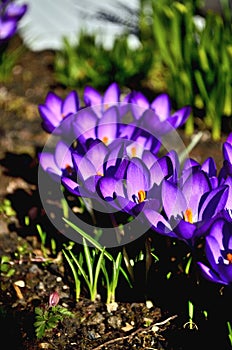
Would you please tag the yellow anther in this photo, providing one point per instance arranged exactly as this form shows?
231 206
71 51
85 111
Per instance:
99 173
141 196
229 257
105 140
133 152
188 215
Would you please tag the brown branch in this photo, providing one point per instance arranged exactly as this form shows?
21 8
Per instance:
141 329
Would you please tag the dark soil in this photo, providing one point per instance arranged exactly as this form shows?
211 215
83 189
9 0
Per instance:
134 324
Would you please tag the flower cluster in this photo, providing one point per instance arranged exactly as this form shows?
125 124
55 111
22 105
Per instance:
10 14
116 158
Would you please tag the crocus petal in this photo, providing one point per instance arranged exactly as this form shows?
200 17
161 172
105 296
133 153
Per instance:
148 158
96 155
185 230
209 274
194 188
70 104
54 103
213 203
110 187
180 117
16 11
209 166
139 103
228 182
49 116
85 124
162 106
83 166
7 29
47 161
227 151
112 94
225 272
161 169
108 125
63 155
138 178
91 96
158 222
71 186
174 202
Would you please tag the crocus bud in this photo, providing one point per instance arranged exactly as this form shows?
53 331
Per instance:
54 299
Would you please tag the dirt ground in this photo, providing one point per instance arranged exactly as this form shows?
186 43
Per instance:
134 324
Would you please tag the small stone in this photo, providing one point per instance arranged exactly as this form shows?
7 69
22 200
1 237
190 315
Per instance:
128 327
112 307
115 321
149 304
20 283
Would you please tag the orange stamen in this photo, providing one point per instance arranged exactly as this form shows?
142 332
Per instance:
133 151
141 196
99 173
229 257
188 215
105 140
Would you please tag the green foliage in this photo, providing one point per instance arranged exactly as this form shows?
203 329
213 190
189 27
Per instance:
6 208
49 318
5 267
198 60
8 59
230 332
90 263
89 63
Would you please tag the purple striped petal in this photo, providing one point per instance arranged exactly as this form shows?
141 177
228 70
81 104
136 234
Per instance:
7 29
209 166
213 203
138 178
54 103
84 167
112 94
209 274
174 202
71 104
91 96
49 116
96 155
194 188
85 124
108 125
185 230
47 161
160 169
63 155
180 117
227 151
162 106
158 222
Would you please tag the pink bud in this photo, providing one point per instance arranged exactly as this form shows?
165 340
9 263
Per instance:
54 299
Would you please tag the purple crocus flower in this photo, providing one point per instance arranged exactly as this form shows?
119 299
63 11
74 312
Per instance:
137 186
88 126
157 116
55 110
111 96
57 164
15 11
218 250
188 210
8 28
